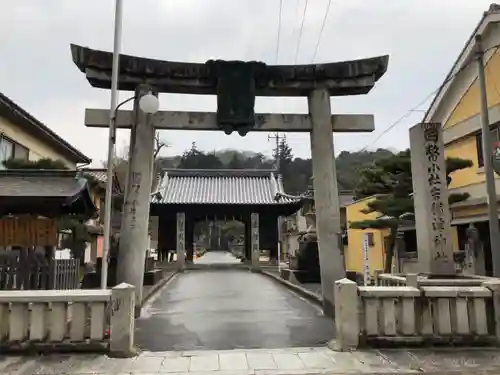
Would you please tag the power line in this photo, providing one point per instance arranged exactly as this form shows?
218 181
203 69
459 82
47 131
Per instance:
415 108
279 32
321 30
301 31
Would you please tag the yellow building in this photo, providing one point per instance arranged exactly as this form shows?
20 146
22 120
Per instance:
405 261
457 107
24 137
354 256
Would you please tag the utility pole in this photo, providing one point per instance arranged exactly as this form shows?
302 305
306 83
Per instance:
277 137
111 143
488 162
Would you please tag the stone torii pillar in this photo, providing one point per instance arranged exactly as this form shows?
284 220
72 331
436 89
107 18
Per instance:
326 196
135 217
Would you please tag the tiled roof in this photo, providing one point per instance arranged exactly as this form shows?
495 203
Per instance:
101 175
42 191
98 174
39 183
345 198
244 187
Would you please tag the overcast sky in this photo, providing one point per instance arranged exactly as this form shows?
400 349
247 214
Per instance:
422 37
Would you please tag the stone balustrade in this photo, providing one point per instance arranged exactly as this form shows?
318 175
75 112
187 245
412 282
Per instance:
418 280
74 319
383 315
388 279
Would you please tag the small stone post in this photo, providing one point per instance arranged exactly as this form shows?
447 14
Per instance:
326 196
255 242
181 240
135 218
474 252
346 315
432 211
122 327
412 280
494 286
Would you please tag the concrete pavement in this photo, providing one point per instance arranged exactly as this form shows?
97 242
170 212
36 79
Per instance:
291 361
217 257
229 309
236 309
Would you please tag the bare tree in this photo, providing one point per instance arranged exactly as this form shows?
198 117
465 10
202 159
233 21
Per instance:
120 162
159 144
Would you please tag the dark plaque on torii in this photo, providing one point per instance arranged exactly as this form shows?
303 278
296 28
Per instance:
235 89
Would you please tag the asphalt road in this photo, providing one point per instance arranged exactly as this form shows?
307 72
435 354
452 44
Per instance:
229 309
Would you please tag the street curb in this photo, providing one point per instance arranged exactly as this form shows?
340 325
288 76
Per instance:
155 288
310 296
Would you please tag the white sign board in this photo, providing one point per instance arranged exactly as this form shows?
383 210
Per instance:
366 265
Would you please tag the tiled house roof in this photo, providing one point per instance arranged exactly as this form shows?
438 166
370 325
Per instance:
243 187
39 183
44 191
100 174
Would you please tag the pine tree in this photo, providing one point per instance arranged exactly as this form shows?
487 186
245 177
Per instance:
390 178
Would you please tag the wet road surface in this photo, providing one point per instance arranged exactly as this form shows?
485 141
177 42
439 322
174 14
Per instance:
229 309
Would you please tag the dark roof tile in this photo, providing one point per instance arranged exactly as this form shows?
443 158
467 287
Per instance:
245 187
39 183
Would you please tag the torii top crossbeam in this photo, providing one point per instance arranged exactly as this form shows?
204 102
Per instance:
355 77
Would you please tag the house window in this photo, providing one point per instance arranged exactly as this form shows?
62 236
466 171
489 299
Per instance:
495 137
371 240
10 149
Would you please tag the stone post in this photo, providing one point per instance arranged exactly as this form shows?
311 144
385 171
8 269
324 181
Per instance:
135 218
346 315
494 286
326 196
255 241
432 211
122 322
412 280
474 252
181 240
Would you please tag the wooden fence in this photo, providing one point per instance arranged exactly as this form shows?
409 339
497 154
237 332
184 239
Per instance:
35 272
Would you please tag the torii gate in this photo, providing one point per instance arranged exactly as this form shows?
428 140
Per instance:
235 112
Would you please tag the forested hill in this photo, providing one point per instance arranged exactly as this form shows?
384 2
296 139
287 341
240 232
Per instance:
296 171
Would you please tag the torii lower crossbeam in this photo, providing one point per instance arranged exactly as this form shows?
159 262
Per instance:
176 120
